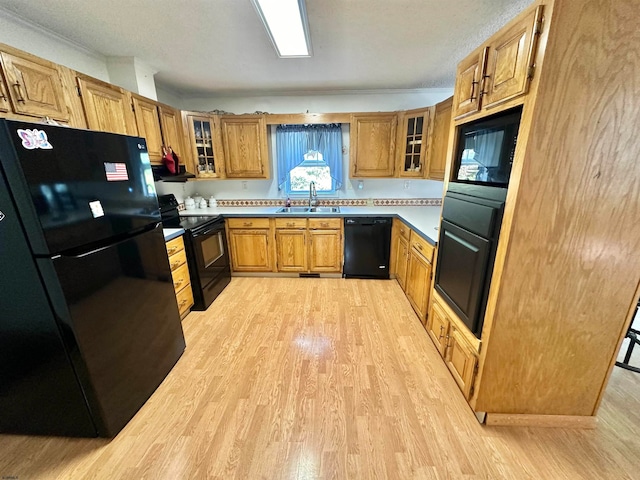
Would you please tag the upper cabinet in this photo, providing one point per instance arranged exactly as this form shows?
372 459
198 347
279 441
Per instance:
33 86
4 97
148 122
205 141
173 133
373 138
245 146
439 139
107 107
413 135
499 70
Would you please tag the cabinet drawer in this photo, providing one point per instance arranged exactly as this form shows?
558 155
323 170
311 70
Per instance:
291 223
248 222
325 223
177 259
403 230
175 245
185 299
180 277
422 246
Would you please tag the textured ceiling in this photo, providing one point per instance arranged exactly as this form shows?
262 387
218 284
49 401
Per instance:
220 46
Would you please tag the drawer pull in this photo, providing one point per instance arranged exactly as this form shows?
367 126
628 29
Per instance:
183 302
179 282
419 246
291 224
247 224
172 250
324 224
174 265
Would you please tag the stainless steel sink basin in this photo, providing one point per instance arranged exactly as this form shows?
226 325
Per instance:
293 210
324 210
308 210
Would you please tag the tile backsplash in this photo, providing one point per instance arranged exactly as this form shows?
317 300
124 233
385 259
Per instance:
345 202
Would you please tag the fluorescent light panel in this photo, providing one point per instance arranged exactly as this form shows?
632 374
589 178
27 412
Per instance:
286 24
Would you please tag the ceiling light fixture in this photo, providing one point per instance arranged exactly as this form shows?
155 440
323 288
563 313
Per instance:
287 26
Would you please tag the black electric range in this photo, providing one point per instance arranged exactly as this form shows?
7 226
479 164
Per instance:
205 244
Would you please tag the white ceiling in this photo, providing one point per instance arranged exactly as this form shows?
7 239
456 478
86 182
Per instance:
218 47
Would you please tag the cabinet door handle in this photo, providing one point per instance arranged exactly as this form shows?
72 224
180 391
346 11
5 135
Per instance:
3 95
473 90
484 81
441 332
17 87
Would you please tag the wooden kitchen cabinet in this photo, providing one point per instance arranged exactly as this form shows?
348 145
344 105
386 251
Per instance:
206 144
291 244
4 97
180 274
148 123
325 245
33 86
439 140
499 70
107 108
460 353
418 282
372 144
402 252
173 132
244 140
249 244
413 141
313 245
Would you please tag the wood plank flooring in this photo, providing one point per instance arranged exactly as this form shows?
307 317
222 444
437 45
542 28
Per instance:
287 378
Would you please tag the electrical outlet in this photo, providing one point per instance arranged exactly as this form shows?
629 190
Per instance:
407 184
244 185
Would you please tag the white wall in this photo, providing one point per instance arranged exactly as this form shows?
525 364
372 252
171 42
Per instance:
40 42
169 96
347 101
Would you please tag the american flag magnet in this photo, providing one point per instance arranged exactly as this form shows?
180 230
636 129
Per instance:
116 172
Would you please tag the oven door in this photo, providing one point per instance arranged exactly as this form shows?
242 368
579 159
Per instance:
462 271
210 252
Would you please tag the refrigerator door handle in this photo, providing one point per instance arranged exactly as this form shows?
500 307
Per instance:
104 247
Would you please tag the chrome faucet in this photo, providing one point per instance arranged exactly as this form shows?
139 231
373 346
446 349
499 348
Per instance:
313 196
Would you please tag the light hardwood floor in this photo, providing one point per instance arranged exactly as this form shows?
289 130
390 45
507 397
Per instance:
287 378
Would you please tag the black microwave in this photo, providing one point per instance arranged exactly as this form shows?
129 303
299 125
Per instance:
485 150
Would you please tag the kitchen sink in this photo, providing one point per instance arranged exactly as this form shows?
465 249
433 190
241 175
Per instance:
324 210
308 210
293 210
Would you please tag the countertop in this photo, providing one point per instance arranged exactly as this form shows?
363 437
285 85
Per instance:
171 233
424 220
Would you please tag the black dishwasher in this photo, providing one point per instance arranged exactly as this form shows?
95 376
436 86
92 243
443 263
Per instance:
367 244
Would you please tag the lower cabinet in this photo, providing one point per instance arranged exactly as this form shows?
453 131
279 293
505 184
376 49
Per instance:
180 274
402 233
309 245
460 352
249 244
418 280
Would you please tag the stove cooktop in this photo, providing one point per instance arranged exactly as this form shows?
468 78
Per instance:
189 223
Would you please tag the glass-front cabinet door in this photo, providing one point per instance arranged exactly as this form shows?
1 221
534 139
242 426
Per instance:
412 142
202 133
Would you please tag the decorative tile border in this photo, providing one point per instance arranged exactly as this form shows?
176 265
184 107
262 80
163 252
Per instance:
334 202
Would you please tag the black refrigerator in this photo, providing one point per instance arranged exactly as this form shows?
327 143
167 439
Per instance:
89 324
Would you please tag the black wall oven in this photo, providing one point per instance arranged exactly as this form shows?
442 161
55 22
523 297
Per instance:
466 251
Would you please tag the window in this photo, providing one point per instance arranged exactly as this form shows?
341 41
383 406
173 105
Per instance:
312 169
309 153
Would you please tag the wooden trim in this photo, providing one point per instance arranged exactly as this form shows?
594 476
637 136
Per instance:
306 118
551 421
283 274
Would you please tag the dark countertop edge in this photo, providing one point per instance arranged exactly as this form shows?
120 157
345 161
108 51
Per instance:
327 215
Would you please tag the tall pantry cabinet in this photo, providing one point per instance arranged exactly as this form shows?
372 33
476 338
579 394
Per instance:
567 273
